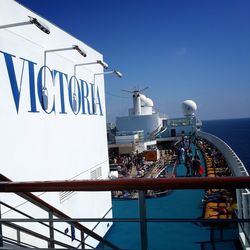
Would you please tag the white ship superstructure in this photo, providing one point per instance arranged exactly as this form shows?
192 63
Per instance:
53 130
141 116
150 126
52 108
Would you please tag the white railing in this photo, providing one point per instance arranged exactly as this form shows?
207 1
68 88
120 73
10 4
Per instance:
238 169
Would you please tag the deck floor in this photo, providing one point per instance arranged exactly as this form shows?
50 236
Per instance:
171 236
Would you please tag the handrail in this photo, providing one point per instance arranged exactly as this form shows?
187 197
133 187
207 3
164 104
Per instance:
236 165
129 219
127 184
30 218
35 234
47 207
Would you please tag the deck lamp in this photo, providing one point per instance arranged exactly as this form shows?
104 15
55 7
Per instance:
80 51
76 47
44 89
102 63
119 74
32 20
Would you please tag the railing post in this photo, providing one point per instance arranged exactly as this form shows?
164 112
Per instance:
82 240
143 223
18 236
1 230
51 243
246 226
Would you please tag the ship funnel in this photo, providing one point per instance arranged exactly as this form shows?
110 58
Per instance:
137 103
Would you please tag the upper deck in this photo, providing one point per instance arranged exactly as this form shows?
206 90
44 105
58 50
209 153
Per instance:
178 206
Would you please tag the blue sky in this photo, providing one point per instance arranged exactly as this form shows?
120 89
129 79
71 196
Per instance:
180 49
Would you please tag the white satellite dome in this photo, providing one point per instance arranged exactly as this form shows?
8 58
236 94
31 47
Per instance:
189 107
146 101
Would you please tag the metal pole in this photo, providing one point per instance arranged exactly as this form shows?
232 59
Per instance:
245 197
51 243
1 230
82 240
18 236
143 223
14 25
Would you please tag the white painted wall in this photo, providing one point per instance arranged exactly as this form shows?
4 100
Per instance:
41 146
148 123
125 139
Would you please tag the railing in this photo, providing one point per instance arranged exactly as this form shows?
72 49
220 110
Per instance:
51 241
128 184
238 169
52 212
236 165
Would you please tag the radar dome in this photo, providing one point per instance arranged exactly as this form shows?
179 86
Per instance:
189 107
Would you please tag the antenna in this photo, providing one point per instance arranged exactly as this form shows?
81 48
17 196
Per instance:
139 100
136 90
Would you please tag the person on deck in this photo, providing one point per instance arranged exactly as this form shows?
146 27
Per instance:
188 161
219 211
196 164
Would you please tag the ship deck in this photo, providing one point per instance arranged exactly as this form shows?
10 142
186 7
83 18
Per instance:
179 235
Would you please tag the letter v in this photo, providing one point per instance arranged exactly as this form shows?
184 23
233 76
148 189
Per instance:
12 78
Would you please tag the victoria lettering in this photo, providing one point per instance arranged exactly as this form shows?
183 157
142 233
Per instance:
83 97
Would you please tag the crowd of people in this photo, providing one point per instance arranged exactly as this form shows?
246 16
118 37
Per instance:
189 157
217 164
133 165
218 203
